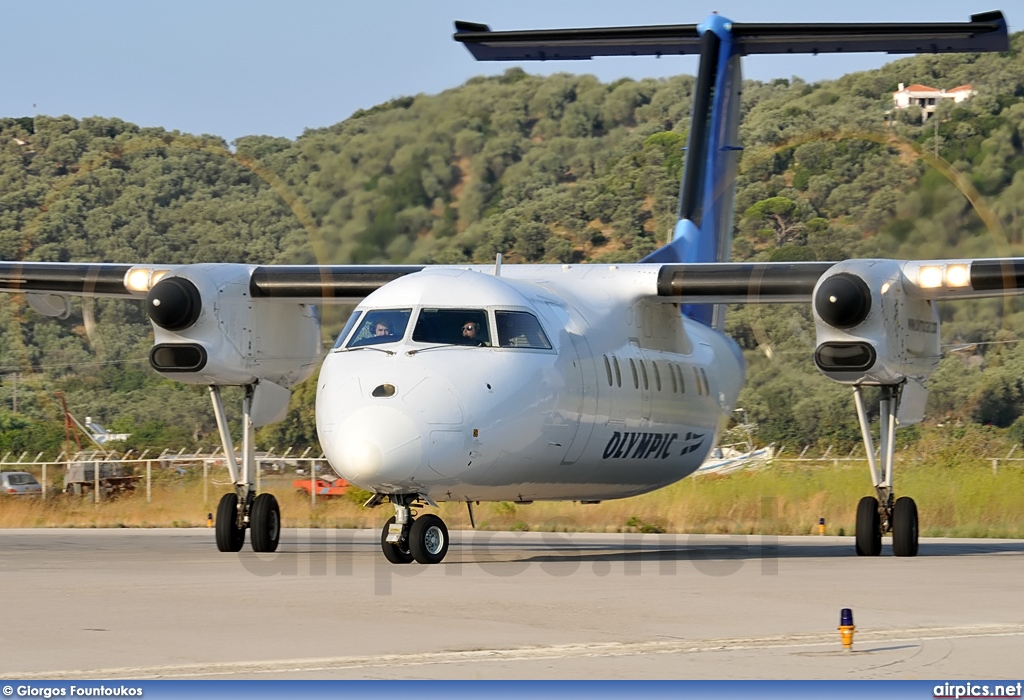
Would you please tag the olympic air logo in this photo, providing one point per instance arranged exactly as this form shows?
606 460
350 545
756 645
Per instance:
650 445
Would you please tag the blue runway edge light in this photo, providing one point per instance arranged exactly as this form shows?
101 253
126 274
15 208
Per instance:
846 616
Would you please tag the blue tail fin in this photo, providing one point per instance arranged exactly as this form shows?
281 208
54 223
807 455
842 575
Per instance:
703 232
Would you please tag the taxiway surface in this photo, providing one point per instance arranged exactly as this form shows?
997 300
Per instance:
165 603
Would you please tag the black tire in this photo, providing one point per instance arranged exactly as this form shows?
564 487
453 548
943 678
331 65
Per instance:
904 528
230 537
428 539
869 528
265 523
394 553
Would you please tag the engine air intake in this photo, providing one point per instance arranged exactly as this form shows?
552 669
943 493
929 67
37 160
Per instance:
845 357
185 357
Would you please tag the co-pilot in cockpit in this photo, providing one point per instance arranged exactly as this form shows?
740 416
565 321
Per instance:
376 327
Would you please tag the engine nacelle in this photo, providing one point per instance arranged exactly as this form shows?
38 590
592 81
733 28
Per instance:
210 330
869 331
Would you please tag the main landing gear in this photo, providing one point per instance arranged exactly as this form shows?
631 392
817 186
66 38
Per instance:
878 516
405 538
243 509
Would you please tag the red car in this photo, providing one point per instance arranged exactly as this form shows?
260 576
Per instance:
324 488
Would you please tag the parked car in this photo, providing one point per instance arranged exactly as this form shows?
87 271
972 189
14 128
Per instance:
324 488
80 478
19 484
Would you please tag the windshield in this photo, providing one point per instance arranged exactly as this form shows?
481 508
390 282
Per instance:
380 326
519 329
21 479
349 325
453 327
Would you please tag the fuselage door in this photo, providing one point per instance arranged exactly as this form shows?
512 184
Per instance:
585 373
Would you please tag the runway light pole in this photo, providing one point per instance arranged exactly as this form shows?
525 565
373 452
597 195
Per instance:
846 628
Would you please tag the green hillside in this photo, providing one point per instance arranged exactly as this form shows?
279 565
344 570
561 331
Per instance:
563 168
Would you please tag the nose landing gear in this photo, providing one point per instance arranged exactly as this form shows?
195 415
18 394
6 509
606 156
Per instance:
405 538
877 516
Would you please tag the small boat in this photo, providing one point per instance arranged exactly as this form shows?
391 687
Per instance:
727 459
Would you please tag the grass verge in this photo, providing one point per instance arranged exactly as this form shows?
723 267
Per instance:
965 501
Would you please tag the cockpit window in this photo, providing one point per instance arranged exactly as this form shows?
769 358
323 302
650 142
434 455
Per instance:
453 327
519 329
380 326
349 325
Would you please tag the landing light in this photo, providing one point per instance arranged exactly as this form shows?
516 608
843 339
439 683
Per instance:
930 277
137 279
142 279
957 276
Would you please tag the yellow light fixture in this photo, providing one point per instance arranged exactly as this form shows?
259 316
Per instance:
958 275
137 279
929 277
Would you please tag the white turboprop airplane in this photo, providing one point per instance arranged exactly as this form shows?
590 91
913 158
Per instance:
551 382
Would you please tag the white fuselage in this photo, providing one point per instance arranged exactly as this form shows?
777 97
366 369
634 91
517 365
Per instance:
628 398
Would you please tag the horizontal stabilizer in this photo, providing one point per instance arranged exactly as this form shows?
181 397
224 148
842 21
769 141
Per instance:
985 32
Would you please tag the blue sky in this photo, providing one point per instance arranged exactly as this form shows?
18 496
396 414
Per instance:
234 68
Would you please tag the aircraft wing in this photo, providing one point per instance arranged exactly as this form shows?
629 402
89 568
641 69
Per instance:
85 279
752 283
985 32
315 283
710 283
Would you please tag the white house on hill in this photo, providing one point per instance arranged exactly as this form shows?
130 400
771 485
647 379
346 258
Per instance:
928 97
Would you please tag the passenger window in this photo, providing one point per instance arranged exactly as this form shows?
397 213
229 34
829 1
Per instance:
380 326
700 387
632 368
682 382
349 325
707 387
608 369
519 329
452 327
643 373
618 374
657 375
672 373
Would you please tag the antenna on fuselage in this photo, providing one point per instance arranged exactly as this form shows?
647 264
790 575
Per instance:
497 265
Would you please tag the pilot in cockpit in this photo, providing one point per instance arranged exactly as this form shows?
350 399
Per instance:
471 334
382 329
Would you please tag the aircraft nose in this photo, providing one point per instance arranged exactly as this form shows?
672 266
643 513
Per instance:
378 444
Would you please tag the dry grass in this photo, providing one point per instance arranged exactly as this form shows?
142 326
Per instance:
966 501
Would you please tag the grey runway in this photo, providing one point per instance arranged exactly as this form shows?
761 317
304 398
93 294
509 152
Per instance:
165 603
